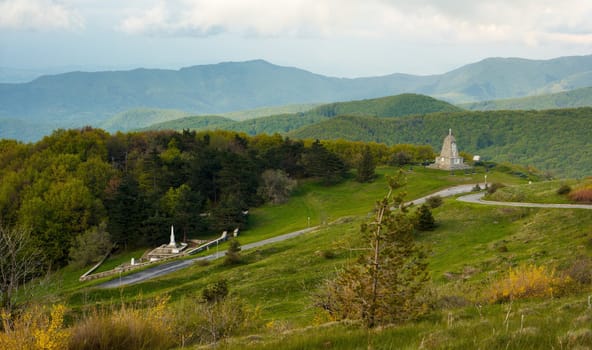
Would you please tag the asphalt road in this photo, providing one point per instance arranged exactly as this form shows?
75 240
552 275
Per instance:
173 266
478 199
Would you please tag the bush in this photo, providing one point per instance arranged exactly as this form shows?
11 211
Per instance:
434 201
494 187
582 195
527 281
477 188
215 292
34 329
564 189
233 253
128 328
424 220
581 270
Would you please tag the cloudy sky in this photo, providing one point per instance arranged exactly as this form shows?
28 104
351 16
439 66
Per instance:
347 38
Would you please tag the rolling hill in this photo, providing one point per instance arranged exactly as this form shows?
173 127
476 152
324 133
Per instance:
387 107
88 98
552 140
568 99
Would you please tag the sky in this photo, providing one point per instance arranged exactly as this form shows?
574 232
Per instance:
343 38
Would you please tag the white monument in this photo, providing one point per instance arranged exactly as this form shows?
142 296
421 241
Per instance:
449 159
172 243
167 250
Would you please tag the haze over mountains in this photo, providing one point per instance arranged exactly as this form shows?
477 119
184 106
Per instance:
78 98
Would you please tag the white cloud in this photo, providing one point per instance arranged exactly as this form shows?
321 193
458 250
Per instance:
529 22
37 15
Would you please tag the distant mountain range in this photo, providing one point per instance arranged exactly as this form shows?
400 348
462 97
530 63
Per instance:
79 98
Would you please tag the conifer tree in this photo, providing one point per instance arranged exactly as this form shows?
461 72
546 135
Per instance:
366 166
424 219
383 285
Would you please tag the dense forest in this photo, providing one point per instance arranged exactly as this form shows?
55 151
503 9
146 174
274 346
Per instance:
135 185
557 141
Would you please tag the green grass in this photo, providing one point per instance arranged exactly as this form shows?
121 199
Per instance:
538 192
540 324
472 245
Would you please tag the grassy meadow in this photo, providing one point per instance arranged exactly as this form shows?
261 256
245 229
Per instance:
472 246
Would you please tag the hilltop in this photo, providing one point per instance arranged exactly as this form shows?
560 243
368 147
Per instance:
384 107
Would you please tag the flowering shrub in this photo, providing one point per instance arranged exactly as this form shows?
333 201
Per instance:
35 330
527 281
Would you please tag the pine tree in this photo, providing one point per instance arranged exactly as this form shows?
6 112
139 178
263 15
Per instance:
366 166
383 285
424 219
233 253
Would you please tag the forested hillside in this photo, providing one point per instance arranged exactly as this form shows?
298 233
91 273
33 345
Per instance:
568 99
390 106
134 186
553 140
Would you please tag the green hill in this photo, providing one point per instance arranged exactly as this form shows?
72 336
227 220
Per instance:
568 99
552 140
390 106
141 117
201 122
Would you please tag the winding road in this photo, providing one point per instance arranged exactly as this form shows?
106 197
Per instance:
167 268
477 198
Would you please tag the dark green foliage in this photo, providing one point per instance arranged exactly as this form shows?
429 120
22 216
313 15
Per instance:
366 166
491 188
434 201
91 246
233 253
424 220
215 292
139 183
563 190
401 158
321 163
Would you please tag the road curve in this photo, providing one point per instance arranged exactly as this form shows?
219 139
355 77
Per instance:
167 268
477 198
173 266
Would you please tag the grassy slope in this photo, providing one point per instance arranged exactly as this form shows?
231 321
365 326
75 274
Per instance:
568 99
464 253
542 192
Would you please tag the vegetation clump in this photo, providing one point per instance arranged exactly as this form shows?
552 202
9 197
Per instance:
582 195
233 256
434 201
563 190
527 281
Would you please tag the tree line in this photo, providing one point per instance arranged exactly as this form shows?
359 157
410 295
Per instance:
133 186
